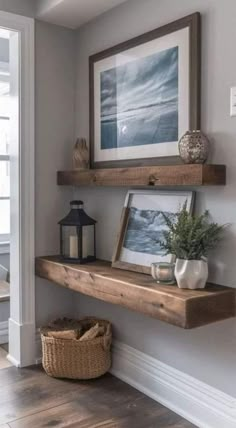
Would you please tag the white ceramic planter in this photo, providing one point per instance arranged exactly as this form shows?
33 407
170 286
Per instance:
191 274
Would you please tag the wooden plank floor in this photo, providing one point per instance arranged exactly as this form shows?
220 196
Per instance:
4 363
31 399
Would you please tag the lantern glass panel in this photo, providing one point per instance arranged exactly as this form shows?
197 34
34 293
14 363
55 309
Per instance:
88 241
70 242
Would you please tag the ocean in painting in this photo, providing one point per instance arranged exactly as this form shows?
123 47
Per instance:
139 101
145 231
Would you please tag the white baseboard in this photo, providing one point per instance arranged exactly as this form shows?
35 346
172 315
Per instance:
21 344
201 404
13 361
204 406
3 332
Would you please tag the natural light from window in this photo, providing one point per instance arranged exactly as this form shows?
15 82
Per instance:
4 137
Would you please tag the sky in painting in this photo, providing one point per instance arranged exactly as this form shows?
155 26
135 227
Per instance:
139 101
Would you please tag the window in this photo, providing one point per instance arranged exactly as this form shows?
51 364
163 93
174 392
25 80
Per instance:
4 154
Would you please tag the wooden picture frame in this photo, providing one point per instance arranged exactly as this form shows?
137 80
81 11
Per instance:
125 256
192 24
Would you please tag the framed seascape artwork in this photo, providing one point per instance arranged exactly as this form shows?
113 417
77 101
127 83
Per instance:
142 227
144 95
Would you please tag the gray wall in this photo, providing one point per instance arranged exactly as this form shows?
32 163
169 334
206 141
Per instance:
20 7
207 353
55 88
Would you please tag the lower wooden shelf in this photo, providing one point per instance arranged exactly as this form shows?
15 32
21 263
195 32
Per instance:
184 308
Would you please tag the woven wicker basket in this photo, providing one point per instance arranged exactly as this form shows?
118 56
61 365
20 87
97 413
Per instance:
72 359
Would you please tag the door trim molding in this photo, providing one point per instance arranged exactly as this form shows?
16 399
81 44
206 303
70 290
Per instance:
22 300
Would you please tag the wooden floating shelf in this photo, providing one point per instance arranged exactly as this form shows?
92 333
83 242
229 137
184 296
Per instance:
184 308
173 175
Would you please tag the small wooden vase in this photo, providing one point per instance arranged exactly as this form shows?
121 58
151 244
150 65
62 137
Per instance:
80 154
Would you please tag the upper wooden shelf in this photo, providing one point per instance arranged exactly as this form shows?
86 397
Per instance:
173 175
139 292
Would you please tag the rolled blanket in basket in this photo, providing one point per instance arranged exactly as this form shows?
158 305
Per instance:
64 334
93 332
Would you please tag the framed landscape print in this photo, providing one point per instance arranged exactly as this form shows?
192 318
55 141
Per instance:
144 95
142 227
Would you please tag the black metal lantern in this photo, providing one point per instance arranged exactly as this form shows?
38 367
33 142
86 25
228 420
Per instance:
77 235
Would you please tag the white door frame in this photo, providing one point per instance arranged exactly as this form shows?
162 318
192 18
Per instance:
22 288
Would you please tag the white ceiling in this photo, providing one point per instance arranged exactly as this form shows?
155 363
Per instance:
73 13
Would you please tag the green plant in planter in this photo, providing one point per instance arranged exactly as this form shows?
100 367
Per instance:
190 237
